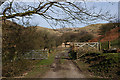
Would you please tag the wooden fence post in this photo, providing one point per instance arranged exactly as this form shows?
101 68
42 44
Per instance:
109 45
99 46
48 54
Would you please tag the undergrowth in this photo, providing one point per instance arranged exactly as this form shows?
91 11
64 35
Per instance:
103 64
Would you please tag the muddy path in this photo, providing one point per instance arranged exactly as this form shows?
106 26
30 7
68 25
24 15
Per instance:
63 67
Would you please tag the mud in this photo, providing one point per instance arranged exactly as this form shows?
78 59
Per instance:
67 69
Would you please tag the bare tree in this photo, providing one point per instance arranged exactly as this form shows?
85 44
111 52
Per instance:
2 1
57 13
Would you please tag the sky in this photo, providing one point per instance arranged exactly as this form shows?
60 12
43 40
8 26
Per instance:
112 7
69 0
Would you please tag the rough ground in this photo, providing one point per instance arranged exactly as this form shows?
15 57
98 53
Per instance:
63 67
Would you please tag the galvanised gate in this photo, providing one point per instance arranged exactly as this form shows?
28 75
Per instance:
78 45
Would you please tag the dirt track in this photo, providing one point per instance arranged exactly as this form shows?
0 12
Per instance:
63 70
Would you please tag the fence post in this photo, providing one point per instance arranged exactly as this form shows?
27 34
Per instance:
48 53
99 46
109 45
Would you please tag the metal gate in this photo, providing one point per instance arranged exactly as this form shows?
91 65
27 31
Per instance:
86 45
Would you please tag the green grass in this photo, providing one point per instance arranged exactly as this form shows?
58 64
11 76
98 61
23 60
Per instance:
62 61
107 66
46 61
113 56
104 64
84 67
114 44
41 67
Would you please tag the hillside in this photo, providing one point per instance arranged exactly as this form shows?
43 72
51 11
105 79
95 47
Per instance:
111 35
93 29
51 31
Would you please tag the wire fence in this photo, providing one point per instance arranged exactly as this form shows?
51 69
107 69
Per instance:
37 54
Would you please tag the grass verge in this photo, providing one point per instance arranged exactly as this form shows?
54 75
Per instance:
41 67
85 69
105 65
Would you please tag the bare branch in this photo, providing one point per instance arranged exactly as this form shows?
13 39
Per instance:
58 12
